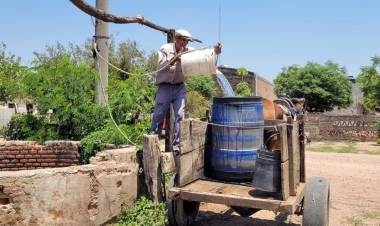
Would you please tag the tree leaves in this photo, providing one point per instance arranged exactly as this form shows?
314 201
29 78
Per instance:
323 86
369 78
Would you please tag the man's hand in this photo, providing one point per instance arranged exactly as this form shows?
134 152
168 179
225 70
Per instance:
175 58
218 48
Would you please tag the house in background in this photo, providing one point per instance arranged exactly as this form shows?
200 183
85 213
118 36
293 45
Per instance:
8 109
356 108
258 85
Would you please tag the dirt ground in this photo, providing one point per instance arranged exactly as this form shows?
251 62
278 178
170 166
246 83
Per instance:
355 192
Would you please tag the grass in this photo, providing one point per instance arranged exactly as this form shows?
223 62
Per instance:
329 146
367 218
372 215
342 147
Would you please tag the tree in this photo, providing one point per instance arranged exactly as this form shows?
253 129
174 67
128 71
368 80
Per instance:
242 88
63 90
323 86
11 74
369 78
106 17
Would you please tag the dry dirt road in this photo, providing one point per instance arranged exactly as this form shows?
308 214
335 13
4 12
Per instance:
355 194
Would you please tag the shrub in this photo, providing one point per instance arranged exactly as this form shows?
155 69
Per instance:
202 84
97 140
66 88
30 127
132 99
378 124
144 213
243 90
196 105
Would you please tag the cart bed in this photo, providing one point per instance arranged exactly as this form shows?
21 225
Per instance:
236 195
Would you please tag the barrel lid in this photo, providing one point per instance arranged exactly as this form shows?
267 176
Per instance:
237 100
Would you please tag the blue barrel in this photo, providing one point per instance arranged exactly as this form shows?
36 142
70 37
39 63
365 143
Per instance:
236 137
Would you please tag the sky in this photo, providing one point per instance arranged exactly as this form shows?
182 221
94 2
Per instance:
262 36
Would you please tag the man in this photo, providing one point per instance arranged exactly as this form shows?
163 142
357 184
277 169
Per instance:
170 82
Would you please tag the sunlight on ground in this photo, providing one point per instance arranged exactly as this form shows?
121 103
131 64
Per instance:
363 219
344 147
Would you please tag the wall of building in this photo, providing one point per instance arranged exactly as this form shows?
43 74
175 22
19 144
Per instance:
265 89
6 115
234 78
356 108
22 155
77 195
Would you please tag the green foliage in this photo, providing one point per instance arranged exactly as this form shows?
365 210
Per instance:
203 84
97 140
30 127
66 89
131 99
378 125
11 74
144 213
243 90
243 72
196 104
323 86
369 78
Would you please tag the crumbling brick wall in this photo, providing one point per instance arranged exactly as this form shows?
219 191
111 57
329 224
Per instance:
23 155
77 195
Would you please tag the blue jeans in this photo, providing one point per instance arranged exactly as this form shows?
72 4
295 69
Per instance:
167 94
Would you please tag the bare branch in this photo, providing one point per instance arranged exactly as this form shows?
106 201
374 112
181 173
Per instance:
106 17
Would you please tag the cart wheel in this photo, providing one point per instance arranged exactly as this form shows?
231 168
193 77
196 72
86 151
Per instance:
244 211
181 212
316 202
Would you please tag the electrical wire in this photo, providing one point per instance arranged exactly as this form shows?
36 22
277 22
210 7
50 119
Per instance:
145 74
110 111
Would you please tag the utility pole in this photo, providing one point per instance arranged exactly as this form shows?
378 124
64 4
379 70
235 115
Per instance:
101 39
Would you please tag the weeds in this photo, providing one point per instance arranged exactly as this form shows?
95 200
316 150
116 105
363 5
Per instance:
368 218
143 213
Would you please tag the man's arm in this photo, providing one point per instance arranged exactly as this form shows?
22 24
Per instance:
164 61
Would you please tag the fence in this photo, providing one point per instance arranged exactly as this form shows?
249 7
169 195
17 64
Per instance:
355 127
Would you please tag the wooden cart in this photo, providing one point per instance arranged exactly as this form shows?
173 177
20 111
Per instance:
190 186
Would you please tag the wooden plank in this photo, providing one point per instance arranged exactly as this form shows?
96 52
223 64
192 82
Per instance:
293 202
191 151
198 134
185 136
198 163
185 169
296 151
293 147
227 194
302 149
167 162
235 195
285 180
190 166
284 142
193 135
152 169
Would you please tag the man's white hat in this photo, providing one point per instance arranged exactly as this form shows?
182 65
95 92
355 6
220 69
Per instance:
185 34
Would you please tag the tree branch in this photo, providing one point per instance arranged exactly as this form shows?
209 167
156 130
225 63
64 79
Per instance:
106 17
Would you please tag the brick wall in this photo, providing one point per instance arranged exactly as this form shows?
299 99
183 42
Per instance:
22 155
354 127
234 79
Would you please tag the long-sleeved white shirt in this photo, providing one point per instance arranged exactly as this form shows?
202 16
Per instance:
172 73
